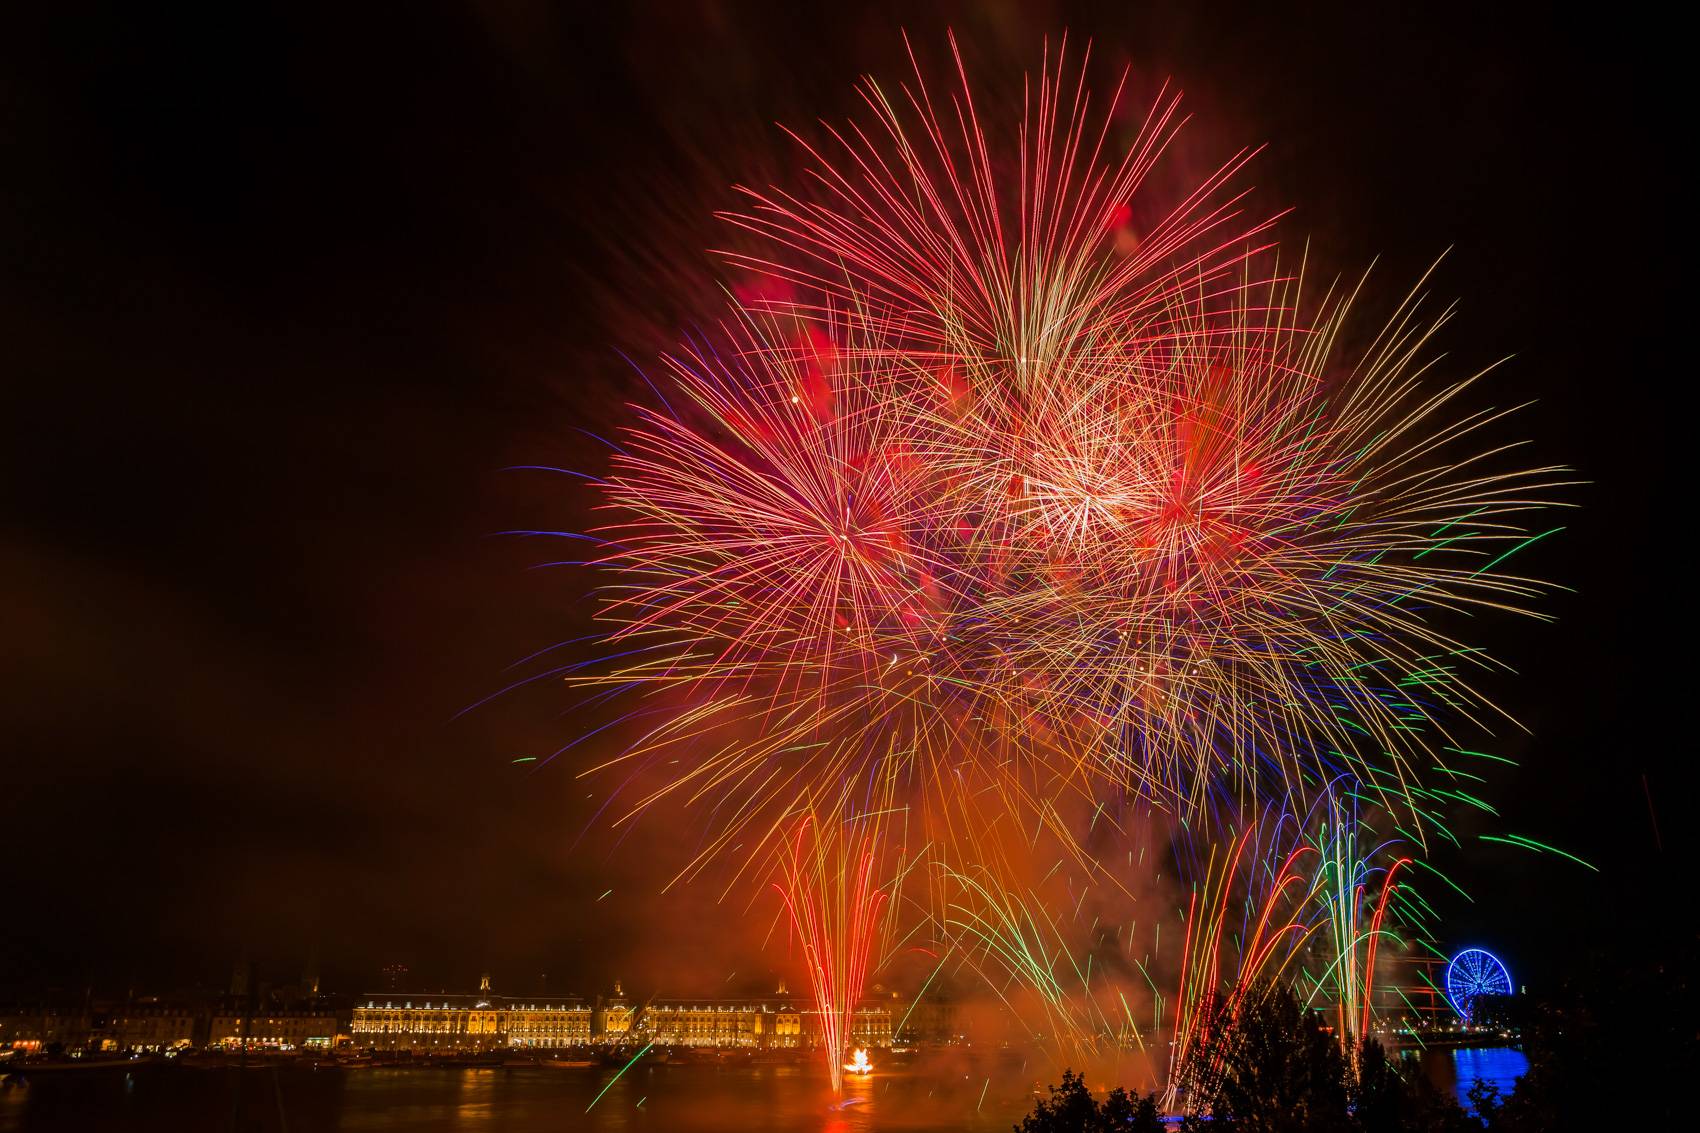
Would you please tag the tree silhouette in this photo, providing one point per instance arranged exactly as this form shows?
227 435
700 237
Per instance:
1072 1109
1385 1101
1269 1066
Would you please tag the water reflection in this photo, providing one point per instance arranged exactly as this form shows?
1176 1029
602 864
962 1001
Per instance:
1498 1065
677 1099
969 1092
1455 1071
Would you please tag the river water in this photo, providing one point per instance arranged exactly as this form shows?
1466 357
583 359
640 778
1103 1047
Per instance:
991 1095
1454 1071
689 1099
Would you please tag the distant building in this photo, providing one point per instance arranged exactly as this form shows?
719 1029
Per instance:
450 1023
932 1021
149 1026
547 1026
34 1027
453 1023
272 1030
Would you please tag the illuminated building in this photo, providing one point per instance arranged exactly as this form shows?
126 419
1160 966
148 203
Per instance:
36 1027
147 1027
544 1025
151 1025
443 1023
611 1019
450 1023
273 1030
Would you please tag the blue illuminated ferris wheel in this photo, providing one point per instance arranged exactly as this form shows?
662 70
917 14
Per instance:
1473 973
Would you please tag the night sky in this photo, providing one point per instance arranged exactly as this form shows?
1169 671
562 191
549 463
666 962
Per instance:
283 294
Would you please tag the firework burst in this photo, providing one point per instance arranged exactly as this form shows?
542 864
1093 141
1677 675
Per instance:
1211 564
989 507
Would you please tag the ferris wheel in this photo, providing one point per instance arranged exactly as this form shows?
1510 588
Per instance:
1473 973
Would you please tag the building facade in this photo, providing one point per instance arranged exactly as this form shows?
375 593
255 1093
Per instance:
448 1024
147 1027
281 1031
32 1028
155 1026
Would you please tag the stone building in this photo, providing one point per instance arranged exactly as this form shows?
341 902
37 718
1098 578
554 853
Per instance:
464 1023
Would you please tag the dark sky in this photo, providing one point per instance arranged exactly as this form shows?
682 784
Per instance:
282 293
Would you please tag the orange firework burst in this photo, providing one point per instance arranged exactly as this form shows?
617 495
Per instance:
989 508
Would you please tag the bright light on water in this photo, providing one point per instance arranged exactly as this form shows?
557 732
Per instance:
1499 1065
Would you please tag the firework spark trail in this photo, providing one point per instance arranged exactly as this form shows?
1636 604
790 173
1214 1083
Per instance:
929 233
1337 892
1354 921
1016 939
621 1073
1288 884
833 902
1263 870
